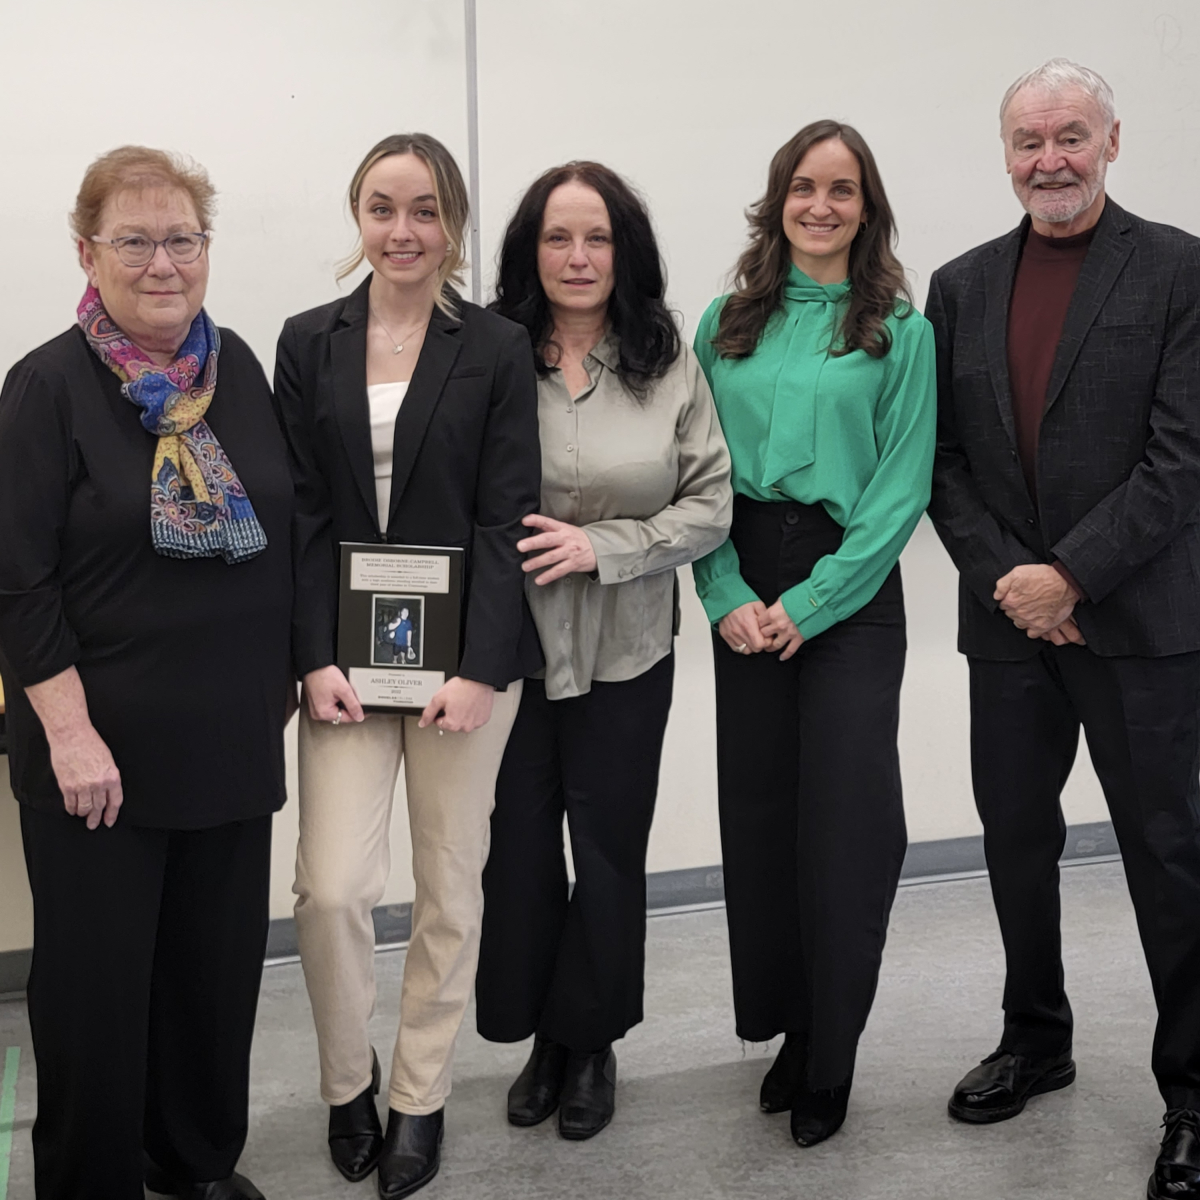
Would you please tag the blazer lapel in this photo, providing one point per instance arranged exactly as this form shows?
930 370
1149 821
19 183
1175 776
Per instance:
348 354
438 354
1106 257
998 278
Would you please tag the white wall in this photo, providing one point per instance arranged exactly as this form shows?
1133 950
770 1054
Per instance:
688 98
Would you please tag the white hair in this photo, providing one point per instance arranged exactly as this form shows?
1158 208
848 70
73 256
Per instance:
1057 74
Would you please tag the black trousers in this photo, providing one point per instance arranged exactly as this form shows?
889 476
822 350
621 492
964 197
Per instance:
812 818
147 956
1142 721
572 969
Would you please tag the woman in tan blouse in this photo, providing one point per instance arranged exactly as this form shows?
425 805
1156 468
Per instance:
635 482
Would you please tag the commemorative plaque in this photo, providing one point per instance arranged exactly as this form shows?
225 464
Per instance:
399 622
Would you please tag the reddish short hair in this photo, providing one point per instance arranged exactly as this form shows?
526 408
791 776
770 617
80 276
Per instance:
136 167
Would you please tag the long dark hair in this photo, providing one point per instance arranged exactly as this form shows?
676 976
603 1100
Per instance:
877 284
637 311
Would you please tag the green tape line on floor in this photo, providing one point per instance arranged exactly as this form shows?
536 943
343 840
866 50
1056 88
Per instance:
8 1112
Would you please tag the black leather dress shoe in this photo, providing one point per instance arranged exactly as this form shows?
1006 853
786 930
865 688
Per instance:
999 1087
355 1134
534 1095
589 1095
782 1081
818 1113
412 1153
236 1187
1177 1171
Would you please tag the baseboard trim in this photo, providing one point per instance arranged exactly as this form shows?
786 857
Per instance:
673 891
14 971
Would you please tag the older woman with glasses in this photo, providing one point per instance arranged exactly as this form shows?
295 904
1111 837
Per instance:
145 599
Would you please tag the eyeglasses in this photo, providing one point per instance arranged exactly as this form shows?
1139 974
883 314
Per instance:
136 250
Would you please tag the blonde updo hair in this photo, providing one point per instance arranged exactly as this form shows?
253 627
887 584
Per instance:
454 207
132 168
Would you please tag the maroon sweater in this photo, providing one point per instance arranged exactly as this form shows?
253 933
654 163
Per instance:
1042 291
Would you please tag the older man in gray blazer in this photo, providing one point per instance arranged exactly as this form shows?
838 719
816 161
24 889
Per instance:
1066 490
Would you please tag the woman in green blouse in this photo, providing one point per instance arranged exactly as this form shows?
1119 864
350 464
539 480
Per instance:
823 376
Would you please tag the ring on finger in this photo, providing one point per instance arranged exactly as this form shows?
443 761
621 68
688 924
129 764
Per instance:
338 719
742 648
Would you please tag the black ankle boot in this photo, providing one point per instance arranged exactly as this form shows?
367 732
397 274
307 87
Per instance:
782 1081
818 1113
355 1135
412 1153
235 1187
534 1095
588 1097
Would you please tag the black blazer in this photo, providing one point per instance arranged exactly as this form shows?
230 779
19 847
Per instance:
1118 465
466 469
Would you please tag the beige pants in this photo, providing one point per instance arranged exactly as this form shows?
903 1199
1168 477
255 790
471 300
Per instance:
347 778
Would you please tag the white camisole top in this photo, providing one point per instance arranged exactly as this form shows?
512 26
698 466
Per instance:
384 400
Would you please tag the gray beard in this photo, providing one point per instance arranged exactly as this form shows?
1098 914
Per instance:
1063 217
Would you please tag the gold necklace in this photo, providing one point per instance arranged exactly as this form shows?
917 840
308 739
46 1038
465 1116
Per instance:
397 346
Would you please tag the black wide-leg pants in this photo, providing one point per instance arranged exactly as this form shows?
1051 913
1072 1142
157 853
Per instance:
572 969
147 957
812 818
1141 717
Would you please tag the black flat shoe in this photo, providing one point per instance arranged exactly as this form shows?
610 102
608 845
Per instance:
818 1113
412 1153
1177 1171
588 1097
998 1088
782 1081
355 1134
534 1095
236 1187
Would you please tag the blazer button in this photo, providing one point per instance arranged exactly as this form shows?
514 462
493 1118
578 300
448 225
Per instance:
792 518
1031 522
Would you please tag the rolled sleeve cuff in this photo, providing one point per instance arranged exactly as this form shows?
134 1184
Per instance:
36 640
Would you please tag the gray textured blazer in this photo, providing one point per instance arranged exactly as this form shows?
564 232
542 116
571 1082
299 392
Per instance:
1118 465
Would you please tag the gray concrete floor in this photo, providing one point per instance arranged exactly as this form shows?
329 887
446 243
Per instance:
687 1122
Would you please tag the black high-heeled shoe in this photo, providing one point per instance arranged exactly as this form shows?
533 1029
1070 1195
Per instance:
534 1094
818 1113
783 1080
355 1134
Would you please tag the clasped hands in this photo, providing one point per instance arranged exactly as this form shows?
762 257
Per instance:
1037 599
752 628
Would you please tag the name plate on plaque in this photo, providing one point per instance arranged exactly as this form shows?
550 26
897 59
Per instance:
399 622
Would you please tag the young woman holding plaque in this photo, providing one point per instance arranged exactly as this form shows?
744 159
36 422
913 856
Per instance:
412 419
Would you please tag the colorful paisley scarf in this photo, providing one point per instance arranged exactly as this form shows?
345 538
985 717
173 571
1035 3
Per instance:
198 507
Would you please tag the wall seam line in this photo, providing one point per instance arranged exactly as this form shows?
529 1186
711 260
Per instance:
472 64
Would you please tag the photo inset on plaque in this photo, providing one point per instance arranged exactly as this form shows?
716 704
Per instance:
399 627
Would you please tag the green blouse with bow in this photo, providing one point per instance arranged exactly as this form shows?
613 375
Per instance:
853 433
